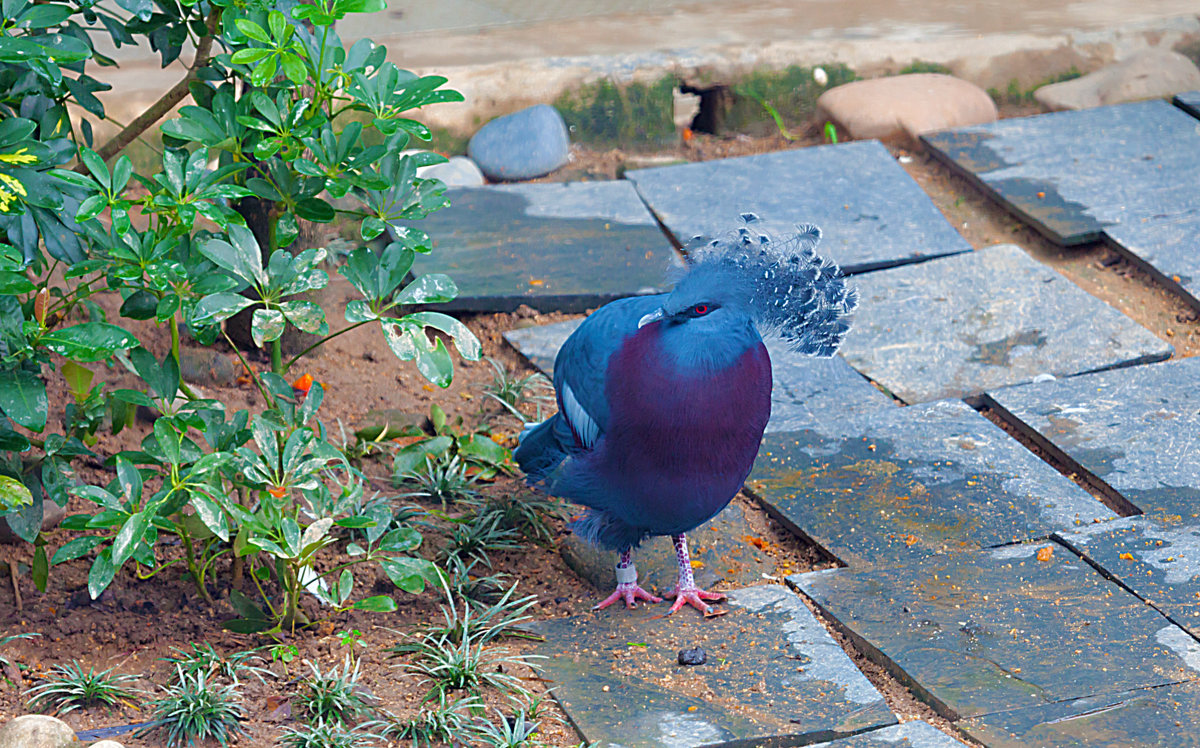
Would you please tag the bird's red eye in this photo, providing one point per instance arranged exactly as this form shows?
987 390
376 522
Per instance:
700 309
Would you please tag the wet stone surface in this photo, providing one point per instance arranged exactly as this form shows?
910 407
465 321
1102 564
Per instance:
723 548
889 489
1157 561
1149 718
556 247
1072 174
772 671
1006 628
1136 429
914 734
872 213
806 390
960 325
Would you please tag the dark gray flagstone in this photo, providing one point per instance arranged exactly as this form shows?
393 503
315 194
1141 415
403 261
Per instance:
722 550
915 734
1136 429
805 389
773 675
1164 717
1167 246
988 631
556 247
960 325
1188 102
891 487
1158 561
1073 174
872 213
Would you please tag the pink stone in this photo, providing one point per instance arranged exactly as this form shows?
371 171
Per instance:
905 105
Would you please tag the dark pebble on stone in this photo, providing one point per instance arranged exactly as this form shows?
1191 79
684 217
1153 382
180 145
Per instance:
693 656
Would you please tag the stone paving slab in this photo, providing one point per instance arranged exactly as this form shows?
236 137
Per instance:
773 674
556 247
999 629
1148 718
1166 246
872 213
890 488
915 734
961 325
1072 174
722 550
1136 429
806 390
1188 102
1157 561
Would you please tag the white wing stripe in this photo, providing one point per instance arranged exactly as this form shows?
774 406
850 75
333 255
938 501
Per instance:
582 424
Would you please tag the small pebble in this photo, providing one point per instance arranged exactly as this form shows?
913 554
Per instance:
693 656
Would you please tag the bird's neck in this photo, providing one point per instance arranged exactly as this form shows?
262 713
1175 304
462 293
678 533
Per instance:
706 353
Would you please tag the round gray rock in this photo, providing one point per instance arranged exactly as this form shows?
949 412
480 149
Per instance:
1150 74
36 731
905 105
522 145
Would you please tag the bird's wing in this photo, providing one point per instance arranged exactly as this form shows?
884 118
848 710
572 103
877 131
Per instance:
581 367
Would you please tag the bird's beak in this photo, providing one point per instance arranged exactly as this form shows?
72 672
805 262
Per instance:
654 316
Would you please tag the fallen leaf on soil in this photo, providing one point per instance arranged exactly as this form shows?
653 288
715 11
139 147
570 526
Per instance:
1126 556
1045 553
755 541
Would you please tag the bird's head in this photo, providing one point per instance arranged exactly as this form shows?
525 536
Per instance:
748 280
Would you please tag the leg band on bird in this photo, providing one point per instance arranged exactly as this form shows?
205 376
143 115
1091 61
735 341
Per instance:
627 586
626 574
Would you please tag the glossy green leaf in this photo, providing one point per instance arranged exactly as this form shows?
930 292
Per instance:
266 325
13 494
101 574
76 548
129 536
376 604
89 341
23 398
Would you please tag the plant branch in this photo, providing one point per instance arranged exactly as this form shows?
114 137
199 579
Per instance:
176 94
321 342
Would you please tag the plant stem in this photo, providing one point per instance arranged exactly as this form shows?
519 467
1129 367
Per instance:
246 364
321 342
183 386
176 94
190 557
277 356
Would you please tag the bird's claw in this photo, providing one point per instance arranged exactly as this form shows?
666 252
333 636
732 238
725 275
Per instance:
630 593
695 597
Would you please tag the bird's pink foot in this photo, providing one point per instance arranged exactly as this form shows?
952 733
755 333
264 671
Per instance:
630 593
695 597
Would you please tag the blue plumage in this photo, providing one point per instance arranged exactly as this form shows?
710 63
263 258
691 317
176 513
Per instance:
663 399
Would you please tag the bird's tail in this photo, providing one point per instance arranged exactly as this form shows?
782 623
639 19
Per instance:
538 451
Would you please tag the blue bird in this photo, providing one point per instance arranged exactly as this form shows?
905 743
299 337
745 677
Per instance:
662 400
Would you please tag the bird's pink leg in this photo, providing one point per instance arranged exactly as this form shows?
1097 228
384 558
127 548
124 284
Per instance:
627 586
687 591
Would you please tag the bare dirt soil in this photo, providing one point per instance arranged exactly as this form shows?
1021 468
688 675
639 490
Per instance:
136 623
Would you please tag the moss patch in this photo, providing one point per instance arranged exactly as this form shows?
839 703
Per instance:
1014 94
791 92
633 115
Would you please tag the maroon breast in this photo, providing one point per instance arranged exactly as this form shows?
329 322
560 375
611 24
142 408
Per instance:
681 443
